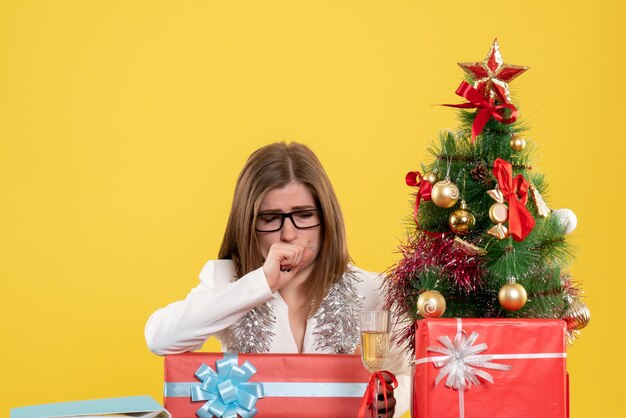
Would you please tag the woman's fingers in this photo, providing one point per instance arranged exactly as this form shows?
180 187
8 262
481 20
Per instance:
289 255
296 256
283 262
388 409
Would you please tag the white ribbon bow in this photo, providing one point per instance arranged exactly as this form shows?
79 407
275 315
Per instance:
462 360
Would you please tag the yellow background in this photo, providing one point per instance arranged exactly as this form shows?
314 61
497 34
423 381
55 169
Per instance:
123 125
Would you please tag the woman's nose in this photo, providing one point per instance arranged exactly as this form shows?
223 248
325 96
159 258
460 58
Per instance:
288 232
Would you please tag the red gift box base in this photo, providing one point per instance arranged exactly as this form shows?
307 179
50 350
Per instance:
534 387
319 368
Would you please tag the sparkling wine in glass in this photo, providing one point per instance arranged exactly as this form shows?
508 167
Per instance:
374 339
374 343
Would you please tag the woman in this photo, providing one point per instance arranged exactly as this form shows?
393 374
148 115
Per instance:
283 282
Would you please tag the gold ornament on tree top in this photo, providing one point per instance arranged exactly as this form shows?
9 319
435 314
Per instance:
462 221
517 143
445 194
430 177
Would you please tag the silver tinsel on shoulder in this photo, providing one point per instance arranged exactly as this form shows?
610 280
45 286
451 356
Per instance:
253 333
337 318
337 329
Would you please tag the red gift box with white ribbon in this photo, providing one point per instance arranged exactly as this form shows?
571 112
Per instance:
476 368
264 385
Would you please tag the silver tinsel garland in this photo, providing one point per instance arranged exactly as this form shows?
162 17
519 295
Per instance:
253 333
337 318
337 329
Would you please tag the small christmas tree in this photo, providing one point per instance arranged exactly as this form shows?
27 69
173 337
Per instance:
484 243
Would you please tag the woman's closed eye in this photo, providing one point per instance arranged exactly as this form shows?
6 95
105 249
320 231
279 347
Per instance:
305 214
269 217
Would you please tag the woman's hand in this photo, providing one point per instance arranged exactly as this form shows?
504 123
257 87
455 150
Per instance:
283 263
382 410
388 411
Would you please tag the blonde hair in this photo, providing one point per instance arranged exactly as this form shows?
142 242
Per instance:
274 166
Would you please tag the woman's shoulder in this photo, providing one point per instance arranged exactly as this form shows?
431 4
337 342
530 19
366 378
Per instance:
368 285
361 274
365 279
217 272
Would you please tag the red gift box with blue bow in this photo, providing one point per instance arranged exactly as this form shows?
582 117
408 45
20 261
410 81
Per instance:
228 385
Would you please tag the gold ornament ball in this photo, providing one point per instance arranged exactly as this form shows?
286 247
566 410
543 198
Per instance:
431 304
498 213
577 316
461 220
512 296
444 194
517 143
430 177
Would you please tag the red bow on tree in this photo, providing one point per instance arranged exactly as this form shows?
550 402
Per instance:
423 191
486 108
368 397
515 191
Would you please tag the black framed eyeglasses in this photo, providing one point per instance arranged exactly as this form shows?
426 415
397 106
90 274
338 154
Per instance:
301 219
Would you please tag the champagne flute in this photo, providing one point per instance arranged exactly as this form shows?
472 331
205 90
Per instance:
374 344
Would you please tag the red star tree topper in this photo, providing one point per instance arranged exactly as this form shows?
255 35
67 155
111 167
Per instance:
491 77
